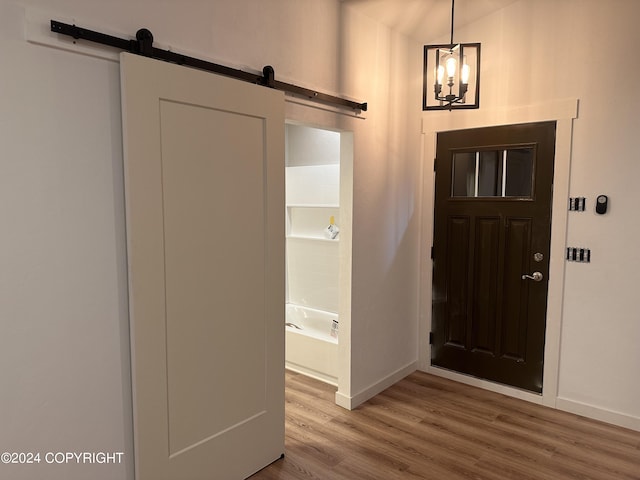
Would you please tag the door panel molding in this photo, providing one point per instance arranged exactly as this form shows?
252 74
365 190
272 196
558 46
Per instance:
485 285
518 242
456 307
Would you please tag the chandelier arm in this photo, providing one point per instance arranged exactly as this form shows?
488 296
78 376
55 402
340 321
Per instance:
450 100
454 100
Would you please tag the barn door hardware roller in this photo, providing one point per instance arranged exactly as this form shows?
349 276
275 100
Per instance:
143 45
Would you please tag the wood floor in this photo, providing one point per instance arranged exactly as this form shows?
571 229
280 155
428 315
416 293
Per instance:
426 427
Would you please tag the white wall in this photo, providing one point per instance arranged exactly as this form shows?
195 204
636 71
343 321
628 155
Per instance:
63 287
312 198
386 205
538 51
63 302
307 146
313 184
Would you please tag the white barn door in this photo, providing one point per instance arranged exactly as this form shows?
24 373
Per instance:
204 184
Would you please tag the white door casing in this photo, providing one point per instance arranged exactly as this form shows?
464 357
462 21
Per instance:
204 186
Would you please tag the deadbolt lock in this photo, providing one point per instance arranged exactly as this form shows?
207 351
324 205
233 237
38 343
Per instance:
538 257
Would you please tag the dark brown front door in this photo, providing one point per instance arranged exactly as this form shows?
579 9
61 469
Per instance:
492 227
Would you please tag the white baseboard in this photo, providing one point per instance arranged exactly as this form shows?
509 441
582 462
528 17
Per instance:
596 413
564 404
485 384
351 402
312 373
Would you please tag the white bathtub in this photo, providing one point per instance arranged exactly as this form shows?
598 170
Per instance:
311 349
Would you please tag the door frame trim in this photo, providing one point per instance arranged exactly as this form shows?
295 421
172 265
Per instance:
313 116
563 112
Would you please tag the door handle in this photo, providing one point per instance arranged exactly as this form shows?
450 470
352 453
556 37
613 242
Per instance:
535 276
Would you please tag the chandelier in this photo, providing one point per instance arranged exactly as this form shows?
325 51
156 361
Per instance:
451 77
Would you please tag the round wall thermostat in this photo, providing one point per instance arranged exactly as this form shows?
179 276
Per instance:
601 204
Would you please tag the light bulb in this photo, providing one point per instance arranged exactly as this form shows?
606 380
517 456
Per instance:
451 66
439 74
465 73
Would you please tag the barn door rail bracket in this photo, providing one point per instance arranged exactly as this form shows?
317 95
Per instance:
143 45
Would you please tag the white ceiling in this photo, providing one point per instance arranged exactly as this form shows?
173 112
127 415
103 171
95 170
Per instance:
426 20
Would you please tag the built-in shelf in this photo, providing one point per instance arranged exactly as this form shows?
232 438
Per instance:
309 237
309 221
312 205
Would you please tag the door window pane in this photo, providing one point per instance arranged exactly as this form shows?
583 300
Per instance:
489 175
464 174
519 164
493 173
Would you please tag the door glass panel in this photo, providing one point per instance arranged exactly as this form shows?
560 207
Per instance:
493 173
464 174
489 175
519 162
